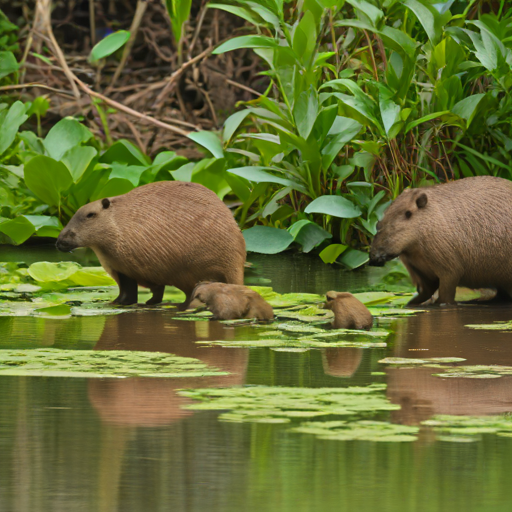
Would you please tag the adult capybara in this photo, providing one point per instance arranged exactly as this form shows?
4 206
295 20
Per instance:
165 233
455 234
349 312
230 301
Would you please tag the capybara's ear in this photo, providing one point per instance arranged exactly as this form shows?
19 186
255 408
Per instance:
422 200
105 202
330 295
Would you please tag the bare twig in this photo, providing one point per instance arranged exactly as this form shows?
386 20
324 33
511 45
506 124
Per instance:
92 22
39 86
43 9
244 87
134 28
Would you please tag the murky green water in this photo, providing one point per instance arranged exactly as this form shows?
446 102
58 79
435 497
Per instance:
128 444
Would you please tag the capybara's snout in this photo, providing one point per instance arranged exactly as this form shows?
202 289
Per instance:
66 241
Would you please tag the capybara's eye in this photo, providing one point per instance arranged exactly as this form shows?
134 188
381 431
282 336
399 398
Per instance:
408 214
91 215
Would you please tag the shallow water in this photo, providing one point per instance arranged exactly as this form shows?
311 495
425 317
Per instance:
128 444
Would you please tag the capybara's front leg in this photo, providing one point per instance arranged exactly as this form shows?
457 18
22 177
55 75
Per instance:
425 290
158 295
447 289
127 290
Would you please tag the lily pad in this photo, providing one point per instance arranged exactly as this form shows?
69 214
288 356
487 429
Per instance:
426 362
100 363
265 404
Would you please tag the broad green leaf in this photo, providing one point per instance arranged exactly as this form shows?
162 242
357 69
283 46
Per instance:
211 173
424 119
232 124
124 152
18 229
63 136
468 107
373 13
389 112
45 225
304 38
245 42
10 124
109 45
47 179
342 131
259 175
60 310
331 253
91 276
77 160
113 187
431 20
267 240
354 259
210 141
44 271
336 206
132 173
246 14
308 234
305 112
8 64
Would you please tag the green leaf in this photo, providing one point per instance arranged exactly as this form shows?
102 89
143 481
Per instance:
124 152
8 64
18 229
305 112
308 234
77 160
66 134
245 42
343 130
232 124
354 259
367 9
304 38
424 119
331 252
468 107
258 175
245 14
267 240
132 173
45 272
10 124
336 206
45 225
389 112
431 20
60 310
109 45
47 178
210 141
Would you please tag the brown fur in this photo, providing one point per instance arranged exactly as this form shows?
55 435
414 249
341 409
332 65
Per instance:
165 233
229 301
349 312
455 234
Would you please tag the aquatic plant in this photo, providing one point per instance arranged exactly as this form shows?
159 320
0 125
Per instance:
51 362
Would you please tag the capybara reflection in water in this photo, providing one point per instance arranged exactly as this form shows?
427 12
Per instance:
165 233
230 301
349 312
455 234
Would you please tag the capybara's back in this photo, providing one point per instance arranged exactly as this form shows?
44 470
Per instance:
165 233
455 234
349 312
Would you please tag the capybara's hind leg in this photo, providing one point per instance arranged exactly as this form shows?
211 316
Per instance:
127 290
158 295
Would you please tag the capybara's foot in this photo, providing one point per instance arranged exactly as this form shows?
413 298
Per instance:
158 295
154 300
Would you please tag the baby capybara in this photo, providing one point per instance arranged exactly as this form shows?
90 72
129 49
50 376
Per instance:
165 233
455 234
349 312
230 301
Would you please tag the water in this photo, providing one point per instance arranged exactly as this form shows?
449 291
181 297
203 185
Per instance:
128 445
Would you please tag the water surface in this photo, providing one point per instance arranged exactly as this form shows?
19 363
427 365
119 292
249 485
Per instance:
128 444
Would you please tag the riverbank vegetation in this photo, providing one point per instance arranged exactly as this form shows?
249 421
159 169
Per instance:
307 118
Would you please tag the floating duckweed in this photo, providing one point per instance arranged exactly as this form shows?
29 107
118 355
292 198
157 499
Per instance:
50 362
476 372
497 326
